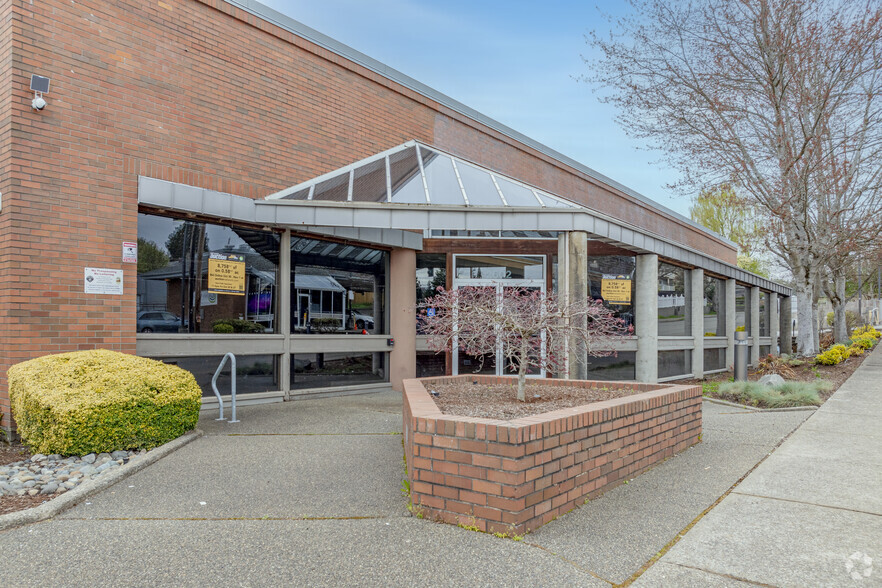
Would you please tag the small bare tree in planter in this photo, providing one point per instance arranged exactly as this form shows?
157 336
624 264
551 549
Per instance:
534 329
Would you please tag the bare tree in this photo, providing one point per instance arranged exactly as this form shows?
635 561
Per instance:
780 97
532 328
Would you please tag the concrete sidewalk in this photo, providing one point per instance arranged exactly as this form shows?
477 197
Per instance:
308 493
810 515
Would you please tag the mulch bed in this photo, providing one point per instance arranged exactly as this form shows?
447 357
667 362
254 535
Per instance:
501 402
11 454
807 372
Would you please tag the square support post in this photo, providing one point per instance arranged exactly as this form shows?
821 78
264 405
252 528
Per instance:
730 324
577 290
284 312
646 318
696 305
402 316
754 325
785 321
773 322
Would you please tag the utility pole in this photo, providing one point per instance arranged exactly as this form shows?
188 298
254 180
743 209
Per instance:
860 292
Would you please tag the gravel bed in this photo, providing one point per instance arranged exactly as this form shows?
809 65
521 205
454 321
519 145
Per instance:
500 402
51 475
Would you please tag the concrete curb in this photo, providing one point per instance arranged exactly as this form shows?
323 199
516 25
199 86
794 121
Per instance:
94 486
755 409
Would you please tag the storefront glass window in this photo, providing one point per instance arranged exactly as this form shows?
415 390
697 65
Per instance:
611 278
325 370
672 301
499 267
621 366
742 309
196 277
254 373
714 307
674 363
337 288
764 311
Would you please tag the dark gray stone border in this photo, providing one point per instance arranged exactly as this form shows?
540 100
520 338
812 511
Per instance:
94 486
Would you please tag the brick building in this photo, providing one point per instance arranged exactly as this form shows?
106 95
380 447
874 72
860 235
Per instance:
170 123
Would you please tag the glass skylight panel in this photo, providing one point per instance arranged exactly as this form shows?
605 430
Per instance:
551 202
407 183
478 186
336 189
299 195
517 195
369 183
441 179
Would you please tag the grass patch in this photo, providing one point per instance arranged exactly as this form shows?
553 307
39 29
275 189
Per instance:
784 395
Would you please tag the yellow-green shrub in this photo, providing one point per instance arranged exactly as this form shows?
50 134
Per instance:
854 350
863 341
100 400
834 355
868 330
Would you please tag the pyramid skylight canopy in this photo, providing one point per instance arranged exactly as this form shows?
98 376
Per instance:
415 174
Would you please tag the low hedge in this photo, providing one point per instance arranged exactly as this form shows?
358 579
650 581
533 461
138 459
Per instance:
99 400
835 355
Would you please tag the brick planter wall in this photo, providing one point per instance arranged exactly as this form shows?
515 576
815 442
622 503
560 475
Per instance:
515 476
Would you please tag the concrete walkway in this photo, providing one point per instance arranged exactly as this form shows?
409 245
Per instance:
810 515
308 493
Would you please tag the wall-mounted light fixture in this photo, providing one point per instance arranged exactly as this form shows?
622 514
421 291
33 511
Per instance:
40 86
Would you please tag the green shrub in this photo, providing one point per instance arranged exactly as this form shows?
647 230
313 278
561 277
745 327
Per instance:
863 341
100 400
238 326
781 396
851 319
834 355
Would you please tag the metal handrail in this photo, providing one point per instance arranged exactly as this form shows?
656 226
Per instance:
220 402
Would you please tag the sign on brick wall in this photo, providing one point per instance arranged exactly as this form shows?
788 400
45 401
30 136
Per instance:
97 280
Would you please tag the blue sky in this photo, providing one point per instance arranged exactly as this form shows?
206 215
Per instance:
514 61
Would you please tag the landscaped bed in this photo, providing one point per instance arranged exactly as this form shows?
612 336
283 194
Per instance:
806 371
512 476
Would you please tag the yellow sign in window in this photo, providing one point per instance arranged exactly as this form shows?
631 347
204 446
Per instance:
226 274
615 289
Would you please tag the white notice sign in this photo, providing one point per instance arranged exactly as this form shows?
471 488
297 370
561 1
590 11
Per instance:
102 281
130 252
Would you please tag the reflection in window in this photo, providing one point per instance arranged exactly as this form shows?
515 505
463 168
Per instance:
429 364
714 359
742 309
674 363
611 279
714 307
323 370
196 277
254 373
337 288
764 310
673 302
621 366
499 267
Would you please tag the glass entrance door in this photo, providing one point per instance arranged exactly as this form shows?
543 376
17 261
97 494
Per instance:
503 274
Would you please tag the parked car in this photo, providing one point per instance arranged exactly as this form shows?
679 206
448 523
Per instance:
361 321
158 321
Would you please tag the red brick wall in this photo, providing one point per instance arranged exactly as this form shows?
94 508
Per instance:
5 183
515 476
192 91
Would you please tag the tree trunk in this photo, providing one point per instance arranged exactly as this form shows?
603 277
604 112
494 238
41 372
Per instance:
522 371
805 337
840 327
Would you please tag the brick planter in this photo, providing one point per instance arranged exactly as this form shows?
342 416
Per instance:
515 476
